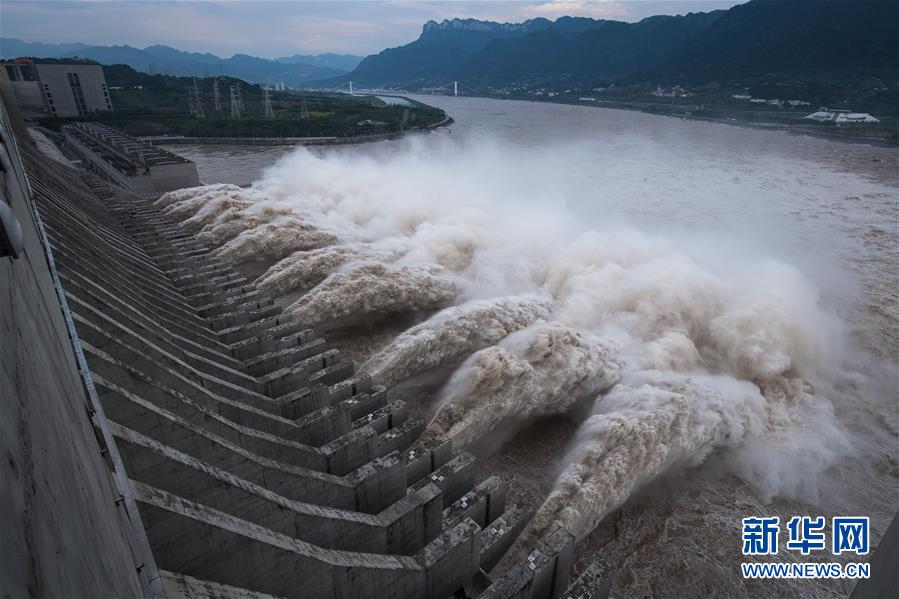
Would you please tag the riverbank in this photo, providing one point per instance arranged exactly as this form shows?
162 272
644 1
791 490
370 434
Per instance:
290 141
794 130
849 133
154 107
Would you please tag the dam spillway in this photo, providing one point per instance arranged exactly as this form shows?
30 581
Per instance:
131 163
243 455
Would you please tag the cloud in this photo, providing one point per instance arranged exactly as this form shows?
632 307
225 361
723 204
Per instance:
597 9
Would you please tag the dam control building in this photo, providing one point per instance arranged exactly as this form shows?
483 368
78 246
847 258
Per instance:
63 90
168 431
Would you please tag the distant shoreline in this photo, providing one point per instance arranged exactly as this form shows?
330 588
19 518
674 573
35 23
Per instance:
791 129
173 140
760 125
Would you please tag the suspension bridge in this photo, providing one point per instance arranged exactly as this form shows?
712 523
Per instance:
454 88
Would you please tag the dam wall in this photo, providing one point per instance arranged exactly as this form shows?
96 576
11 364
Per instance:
66 530
176 434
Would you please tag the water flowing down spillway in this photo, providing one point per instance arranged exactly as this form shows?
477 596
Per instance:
669 347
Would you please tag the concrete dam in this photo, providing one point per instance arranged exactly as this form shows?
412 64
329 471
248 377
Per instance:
169 431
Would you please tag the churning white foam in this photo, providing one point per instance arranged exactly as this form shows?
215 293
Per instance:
454 333
688 348
542 370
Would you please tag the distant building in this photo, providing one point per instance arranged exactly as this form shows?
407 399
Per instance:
587 99
673 92
855 117
821 116
741 97
57 90
841 117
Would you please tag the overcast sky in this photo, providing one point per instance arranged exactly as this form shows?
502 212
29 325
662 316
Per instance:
280 28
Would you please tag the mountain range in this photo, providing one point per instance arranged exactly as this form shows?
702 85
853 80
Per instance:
791 44
292 70
791 38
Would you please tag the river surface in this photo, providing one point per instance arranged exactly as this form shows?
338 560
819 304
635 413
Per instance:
828 206
734 200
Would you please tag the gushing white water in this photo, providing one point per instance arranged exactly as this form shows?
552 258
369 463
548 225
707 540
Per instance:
306 268
720 347
541 370
273 240
663 420
454 333
374 289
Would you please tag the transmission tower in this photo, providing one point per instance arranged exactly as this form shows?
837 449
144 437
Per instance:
197 103
235 105
152 68
216 95
240 104
267 101
304 108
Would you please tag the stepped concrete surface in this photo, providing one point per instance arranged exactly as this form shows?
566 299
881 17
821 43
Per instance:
174 433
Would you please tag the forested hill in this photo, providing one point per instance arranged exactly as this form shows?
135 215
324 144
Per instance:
788 37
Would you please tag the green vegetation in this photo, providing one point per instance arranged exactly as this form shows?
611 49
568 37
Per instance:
161 105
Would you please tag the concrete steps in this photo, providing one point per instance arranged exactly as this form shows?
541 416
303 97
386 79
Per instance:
262 465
